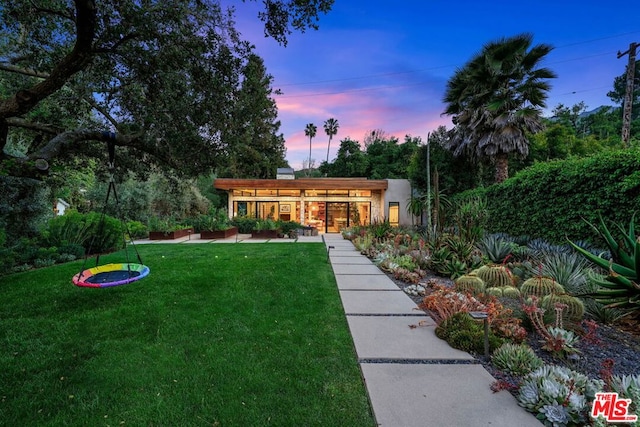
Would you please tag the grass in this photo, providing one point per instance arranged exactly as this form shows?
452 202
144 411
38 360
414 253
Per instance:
217 335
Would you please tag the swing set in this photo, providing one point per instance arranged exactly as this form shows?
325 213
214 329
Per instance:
114 274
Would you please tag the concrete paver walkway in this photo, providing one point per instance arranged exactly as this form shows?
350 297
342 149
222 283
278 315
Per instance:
413 378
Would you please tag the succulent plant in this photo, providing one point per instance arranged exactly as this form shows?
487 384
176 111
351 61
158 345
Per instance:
540 286
496 247
628 387
621 288
494 292
469 283
495 275
511 292
574 310
548 387
516 359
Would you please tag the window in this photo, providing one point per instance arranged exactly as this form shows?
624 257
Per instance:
394 213
267 192
244 192
359 193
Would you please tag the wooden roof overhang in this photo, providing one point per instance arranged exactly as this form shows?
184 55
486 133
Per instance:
301 184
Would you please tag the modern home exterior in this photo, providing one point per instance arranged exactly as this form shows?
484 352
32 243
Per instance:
326 204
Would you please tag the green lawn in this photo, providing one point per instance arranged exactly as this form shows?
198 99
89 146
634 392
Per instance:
217 335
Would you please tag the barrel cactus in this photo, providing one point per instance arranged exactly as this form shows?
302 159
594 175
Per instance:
468 283
494 292
511 292
540 286
495 276
573 311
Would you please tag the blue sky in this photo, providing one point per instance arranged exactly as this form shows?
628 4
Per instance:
382 65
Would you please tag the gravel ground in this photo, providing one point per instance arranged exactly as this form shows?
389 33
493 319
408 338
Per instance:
610 342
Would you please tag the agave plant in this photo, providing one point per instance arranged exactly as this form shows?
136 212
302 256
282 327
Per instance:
496 247
621 287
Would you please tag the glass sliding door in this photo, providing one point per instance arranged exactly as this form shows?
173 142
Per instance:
337 216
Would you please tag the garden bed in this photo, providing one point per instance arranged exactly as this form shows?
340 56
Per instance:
170 235
219 234
618 343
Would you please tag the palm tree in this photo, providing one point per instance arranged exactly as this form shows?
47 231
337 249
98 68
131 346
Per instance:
330 128
310 131
496 98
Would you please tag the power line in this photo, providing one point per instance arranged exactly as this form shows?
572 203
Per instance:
429 69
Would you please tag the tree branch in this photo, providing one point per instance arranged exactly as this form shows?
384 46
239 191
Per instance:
24 71
78 59
22 123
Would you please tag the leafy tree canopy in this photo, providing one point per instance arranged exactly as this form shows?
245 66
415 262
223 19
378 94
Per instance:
159 78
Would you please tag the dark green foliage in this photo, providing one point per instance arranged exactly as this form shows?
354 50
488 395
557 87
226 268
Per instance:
550 200
466 334
94 233
25 205
244 223
288 228
137 230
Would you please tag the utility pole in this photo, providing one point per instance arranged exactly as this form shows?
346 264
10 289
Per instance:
628 96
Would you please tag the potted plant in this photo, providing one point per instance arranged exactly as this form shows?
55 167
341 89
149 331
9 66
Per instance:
167 229
216 225
265 229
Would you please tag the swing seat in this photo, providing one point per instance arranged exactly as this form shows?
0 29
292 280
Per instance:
104 276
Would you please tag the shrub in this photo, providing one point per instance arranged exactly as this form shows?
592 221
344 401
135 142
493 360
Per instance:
549 199
137 230
516 359
466 334
97 234
245 224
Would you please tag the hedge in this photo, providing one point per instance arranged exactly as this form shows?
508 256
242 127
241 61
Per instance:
552 199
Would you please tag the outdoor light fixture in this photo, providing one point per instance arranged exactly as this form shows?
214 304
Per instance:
484 316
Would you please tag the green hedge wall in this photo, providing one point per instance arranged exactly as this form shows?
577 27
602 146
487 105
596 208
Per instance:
550 199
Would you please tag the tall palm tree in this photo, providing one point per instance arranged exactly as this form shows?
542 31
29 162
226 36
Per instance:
496 98
310 131
330 128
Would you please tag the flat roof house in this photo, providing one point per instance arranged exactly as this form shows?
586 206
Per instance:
327 204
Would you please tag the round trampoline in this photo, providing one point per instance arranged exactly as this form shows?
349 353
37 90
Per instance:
108 275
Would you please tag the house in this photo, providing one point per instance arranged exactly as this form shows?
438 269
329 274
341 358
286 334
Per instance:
327 204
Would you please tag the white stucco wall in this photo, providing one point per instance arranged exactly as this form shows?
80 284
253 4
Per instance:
398 190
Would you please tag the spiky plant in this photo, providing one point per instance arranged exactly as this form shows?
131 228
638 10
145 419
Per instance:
540 286
621 288
495 275
516 359
574 310
496 247
511 292
495 291
569 269
468 283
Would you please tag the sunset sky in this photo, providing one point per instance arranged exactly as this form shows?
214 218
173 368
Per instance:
384 65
